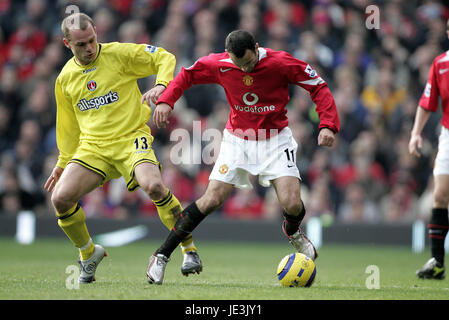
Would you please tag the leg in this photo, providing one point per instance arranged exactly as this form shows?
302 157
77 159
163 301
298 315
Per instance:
168 206
216 193
149 178
75 182
438 226
288 190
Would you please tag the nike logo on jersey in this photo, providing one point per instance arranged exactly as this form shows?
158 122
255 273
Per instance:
89 70
444 70
224 70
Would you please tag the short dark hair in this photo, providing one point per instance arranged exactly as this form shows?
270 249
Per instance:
238 41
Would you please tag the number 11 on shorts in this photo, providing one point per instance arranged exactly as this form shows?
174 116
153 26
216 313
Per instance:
290 155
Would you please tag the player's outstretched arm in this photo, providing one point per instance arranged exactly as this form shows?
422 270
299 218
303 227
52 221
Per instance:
326 137
53 179
161 115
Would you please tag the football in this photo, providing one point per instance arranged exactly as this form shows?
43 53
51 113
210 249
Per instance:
296 270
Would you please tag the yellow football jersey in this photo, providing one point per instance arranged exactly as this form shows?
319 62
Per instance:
101 100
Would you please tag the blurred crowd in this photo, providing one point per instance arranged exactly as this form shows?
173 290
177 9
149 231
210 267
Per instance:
376 76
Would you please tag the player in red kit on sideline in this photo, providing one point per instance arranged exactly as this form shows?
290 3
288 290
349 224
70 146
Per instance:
256 140
437 86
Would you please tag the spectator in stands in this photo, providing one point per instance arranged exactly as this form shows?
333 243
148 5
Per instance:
368 71
357 207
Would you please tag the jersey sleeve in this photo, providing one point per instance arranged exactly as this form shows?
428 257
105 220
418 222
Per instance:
302 74
429 98
67 128
203 71
143 60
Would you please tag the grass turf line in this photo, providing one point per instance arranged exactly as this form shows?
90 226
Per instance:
232 271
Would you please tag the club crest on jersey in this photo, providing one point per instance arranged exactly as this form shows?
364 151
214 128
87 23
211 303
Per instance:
223 169
91 85
248 80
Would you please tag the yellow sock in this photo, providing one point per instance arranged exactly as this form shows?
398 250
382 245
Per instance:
169 209
187 244
73 223
87 251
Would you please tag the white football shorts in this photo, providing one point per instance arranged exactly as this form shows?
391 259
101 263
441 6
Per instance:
269 159
442 159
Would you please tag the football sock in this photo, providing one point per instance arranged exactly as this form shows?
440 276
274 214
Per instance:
73 223
169 209
189 219
87 250
438 228
292 222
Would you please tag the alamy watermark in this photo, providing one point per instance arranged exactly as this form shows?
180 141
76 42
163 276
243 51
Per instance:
202 147
71 282
373 280
372 21
74 22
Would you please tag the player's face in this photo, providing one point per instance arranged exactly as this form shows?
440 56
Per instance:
248 62
83 44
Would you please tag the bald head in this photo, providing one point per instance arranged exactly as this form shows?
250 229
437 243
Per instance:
75 21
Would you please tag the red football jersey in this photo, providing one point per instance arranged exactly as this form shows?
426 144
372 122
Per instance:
438 86
257 99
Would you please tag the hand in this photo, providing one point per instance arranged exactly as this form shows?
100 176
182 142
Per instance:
53 178
153 94
415 144
326 137
161 115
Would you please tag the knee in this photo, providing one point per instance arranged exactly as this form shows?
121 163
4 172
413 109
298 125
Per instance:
210 202
441 198
155 189
293 205
62 201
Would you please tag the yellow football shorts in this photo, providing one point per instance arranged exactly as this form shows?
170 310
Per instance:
115 158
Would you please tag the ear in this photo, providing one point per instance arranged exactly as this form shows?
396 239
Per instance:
257 46
66 42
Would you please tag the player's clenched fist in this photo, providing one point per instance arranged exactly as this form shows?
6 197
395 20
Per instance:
326 137
161 115
415 145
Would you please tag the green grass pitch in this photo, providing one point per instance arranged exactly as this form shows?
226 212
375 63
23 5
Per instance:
232 271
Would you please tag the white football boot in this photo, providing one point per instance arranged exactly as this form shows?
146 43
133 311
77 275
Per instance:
89 266
156 268
191 264
432 269
301 243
